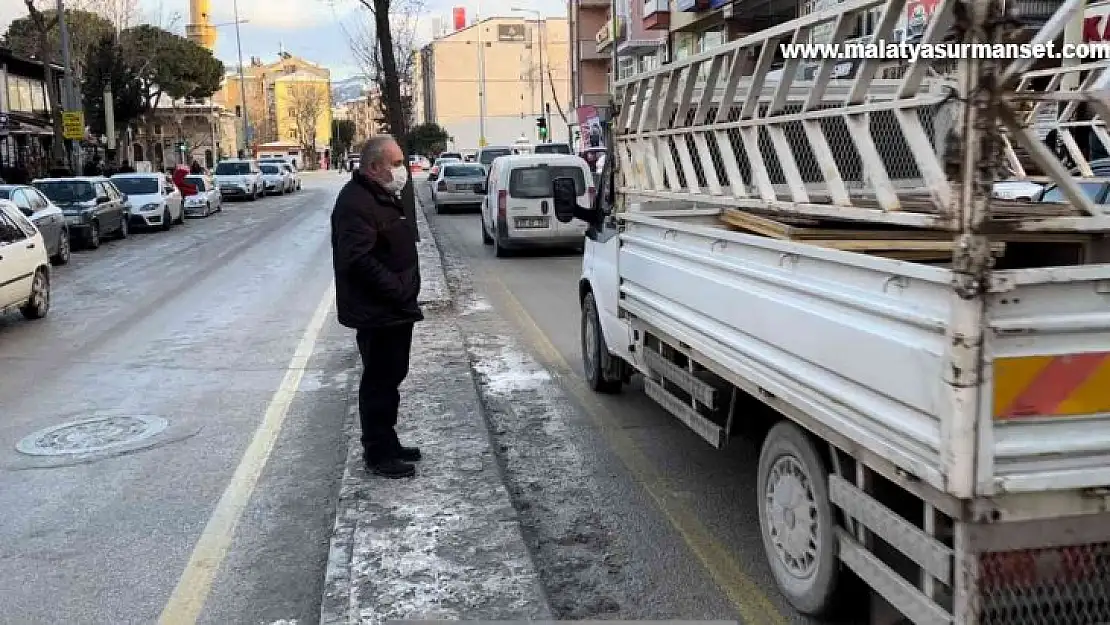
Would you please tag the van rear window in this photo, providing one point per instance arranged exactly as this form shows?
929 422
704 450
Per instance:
535 182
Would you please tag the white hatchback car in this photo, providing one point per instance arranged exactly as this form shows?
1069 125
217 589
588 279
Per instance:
24 267
278 181
519 210
206 200
155 201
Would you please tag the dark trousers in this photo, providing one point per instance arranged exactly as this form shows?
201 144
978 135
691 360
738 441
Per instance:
385 363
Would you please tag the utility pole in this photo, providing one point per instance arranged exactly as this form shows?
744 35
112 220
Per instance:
481 83
543 98
70 99
242 81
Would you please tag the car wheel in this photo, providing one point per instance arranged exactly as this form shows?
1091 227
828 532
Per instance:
486 238
797 521
181 216
167 220
62 257
93 238
39 303
208 209
597 363
254 195
220 208
124 227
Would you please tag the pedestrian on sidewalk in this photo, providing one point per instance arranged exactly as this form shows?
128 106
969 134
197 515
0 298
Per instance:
377 281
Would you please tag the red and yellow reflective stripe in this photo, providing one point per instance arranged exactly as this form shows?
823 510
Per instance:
1065 385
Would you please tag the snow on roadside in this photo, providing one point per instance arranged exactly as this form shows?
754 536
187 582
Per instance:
506 370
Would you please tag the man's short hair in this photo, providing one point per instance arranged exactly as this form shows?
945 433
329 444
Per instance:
373 151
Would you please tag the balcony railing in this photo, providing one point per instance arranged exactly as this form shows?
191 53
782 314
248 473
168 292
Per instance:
587 51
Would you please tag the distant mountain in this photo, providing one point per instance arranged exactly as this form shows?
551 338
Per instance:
349 88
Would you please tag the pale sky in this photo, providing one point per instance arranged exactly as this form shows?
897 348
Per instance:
313 29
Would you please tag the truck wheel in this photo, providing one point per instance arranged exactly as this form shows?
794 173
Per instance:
796 520
597 362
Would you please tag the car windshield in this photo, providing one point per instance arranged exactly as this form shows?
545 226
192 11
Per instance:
1055 195
198 182
233 169
67 191
270 169
454 155
444 161
553 148
464 171
136 185
487 156
535 182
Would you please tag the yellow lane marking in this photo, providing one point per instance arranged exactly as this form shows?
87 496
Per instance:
742 591
195 584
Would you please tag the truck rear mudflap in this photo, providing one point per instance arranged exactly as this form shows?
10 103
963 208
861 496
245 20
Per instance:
1048 375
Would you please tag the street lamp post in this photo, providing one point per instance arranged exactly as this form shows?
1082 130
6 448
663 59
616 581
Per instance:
242 81
540 23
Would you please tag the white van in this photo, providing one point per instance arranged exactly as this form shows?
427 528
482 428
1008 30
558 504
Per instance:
518 210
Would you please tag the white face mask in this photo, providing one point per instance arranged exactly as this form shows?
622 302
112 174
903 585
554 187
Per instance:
400 177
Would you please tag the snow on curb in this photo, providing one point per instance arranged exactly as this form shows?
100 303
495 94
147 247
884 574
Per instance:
447 544
434 292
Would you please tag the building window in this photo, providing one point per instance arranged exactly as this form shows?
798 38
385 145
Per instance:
238 111
626 66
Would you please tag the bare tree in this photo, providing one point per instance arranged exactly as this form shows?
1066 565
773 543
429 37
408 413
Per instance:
307 102
365 41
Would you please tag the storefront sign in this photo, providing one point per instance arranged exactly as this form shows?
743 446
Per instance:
589 126
510 32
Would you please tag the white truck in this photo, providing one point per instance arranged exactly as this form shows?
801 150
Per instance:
939 431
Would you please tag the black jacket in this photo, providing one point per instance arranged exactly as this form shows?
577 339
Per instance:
377 271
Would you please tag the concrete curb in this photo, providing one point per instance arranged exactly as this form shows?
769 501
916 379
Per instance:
447 544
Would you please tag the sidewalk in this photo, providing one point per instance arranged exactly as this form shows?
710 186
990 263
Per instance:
447 544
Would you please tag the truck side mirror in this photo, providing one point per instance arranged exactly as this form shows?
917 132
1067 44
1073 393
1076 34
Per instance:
564 192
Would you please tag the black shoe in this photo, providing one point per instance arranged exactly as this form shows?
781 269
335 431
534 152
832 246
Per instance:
392 468
410 454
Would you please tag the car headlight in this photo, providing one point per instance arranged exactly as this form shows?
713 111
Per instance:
153 206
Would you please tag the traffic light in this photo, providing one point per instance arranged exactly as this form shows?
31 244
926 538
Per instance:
541 124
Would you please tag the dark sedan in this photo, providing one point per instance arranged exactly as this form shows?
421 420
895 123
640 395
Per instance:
93 206
48 218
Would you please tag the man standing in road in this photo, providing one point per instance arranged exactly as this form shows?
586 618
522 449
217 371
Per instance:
377 280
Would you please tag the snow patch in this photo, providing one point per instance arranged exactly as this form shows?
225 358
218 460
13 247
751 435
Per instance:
476 305
507 370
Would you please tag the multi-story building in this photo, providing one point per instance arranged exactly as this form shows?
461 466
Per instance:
602 29
279 97
365 113
486 81
26 129
181 132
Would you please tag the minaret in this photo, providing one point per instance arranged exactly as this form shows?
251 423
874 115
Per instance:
200 30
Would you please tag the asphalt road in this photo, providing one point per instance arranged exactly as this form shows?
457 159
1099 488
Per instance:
197 327
682 514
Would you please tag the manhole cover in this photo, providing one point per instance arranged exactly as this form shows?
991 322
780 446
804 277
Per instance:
91 435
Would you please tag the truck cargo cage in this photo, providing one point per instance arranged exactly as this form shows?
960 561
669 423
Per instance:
722 128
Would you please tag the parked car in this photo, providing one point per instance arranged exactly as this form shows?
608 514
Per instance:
454 155
419 163
433 173
155 201
206 200
240 178
277 180
93 206
518 207
486 155
294 175
24 266
552 148
48 218
459 184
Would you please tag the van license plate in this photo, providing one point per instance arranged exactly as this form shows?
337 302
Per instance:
531 222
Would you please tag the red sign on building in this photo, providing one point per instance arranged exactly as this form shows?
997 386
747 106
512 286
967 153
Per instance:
459 16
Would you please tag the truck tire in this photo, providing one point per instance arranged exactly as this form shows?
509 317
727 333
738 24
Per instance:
597 363
796 520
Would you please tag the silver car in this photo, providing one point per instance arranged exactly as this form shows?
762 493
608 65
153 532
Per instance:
459 185
207 199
